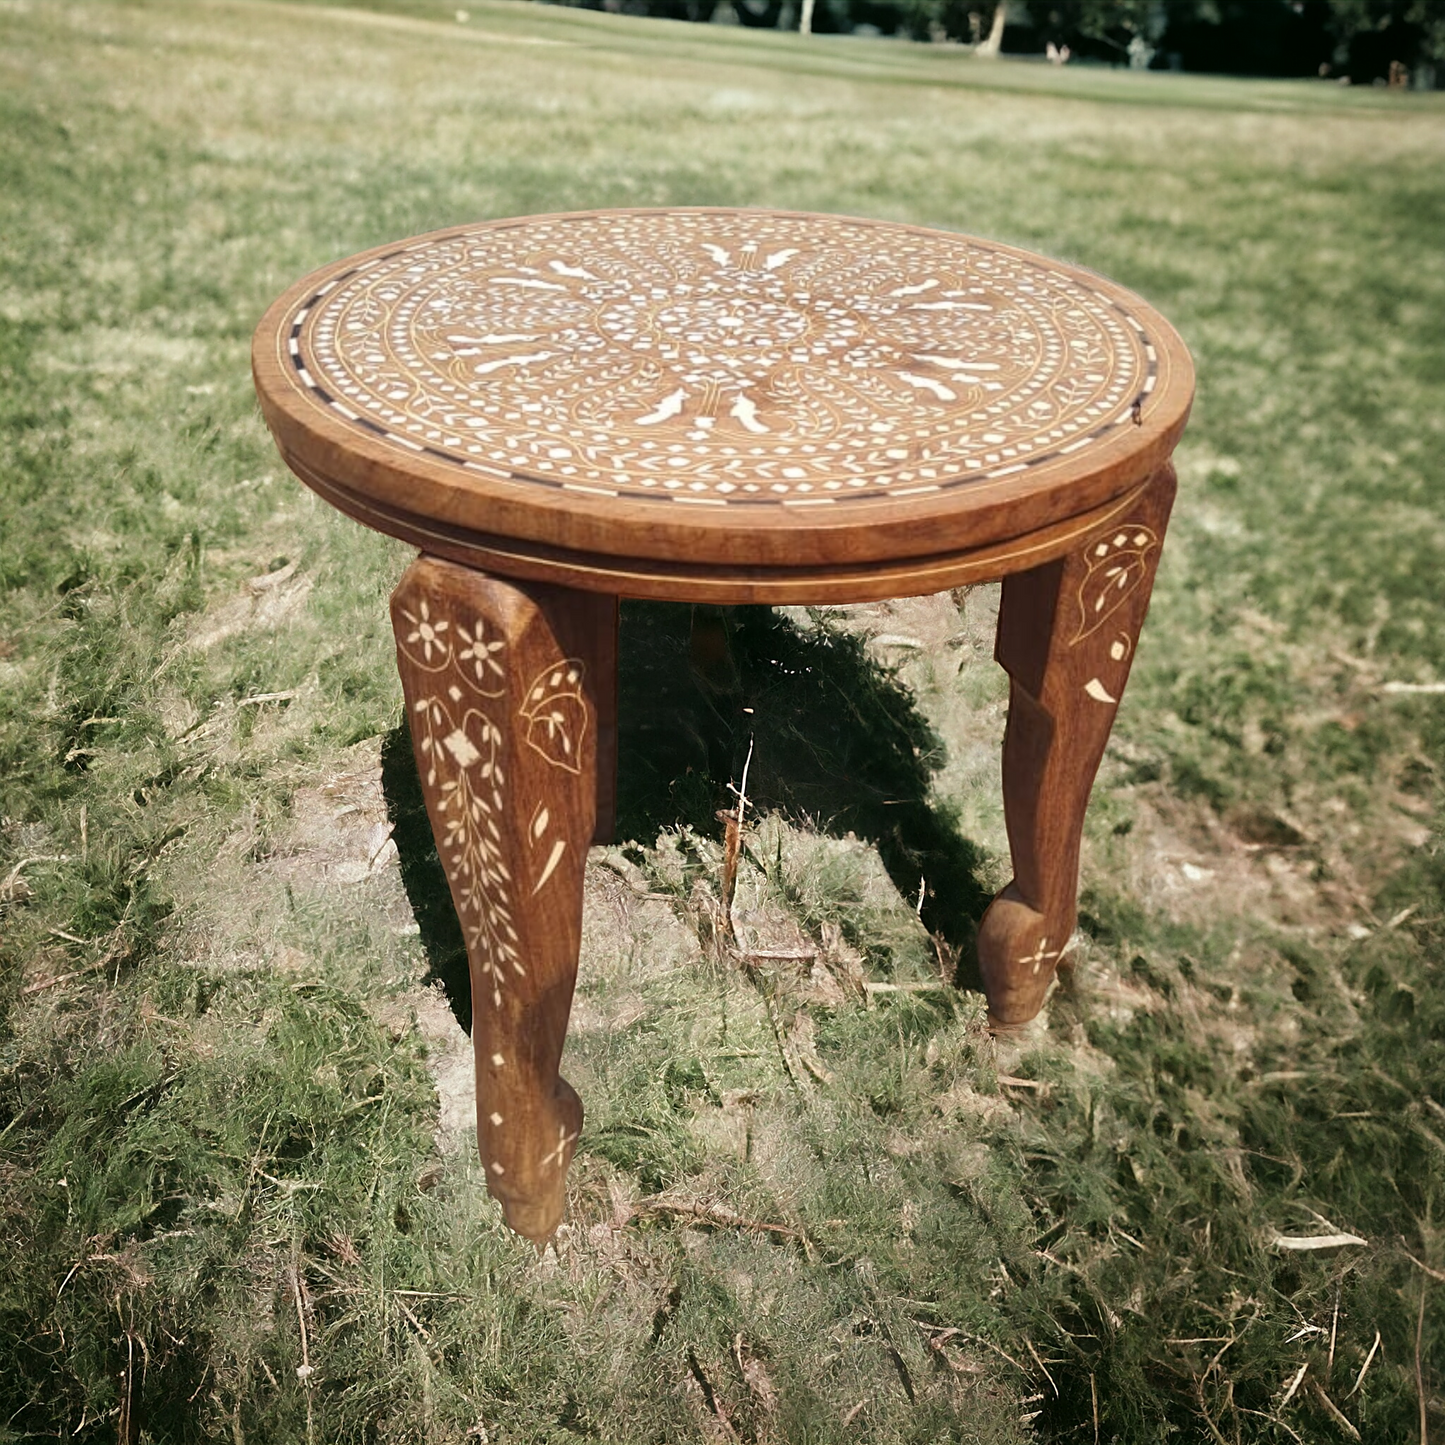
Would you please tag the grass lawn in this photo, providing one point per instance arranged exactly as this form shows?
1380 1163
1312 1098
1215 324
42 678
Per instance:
237 1199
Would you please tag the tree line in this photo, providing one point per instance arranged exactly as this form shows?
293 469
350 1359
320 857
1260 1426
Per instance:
1362 41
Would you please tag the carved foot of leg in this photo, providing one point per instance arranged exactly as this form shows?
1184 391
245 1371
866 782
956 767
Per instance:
1066 636
502 685
1017 958
534 1195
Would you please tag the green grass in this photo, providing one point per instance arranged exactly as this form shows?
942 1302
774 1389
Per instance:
223 1213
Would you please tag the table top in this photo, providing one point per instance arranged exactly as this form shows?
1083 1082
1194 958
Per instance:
662 402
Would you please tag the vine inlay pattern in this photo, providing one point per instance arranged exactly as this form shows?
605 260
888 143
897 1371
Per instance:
723 358
457 723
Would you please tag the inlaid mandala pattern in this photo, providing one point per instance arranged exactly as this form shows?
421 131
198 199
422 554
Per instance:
723 357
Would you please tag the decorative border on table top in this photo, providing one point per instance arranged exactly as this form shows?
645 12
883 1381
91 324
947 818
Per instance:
1132 414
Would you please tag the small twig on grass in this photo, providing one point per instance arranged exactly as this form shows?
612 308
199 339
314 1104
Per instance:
257 698
1053 1384
877 987
852 1414
1204 1410
710 1212
127 1431
303 1370
1273 1420
1334 1326
1419 1264
1420 1371
1294 1384
13 880
412 1320
1094 1400
1360 1378
40 984
815 1068
1333 1410
940 1335
1315 1241
709 1394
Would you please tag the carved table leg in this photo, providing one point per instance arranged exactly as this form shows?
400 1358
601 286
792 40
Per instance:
1066 635
502 685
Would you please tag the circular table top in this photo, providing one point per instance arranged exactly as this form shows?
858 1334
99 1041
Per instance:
728 396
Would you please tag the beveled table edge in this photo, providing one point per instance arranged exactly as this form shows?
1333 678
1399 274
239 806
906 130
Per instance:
369 479
664 581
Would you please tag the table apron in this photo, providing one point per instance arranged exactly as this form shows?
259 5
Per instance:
673 581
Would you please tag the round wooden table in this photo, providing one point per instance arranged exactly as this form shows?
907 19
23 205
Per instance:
716 406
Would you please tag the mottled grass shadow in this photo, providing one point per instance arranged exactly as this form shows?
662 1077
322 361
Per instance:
836 742
422 875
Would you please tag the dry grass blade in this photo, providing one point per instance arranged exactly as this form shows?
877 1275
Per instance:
944 1334
710 1395
879 987
15 886
732 820
1029 1344
706 1211
41 984
1360 1378
1333 1410
1434 1274
1294 1384
1273 1420
304 1370
1420 1372
256 699
1334 1328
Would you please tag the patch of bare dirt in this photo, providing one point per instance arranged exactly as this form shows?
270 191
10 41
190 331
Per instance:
339 835
264 602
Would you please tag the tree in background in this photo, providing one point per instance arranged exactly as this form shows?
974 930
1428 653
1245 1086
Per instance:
1360 39
1369 34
